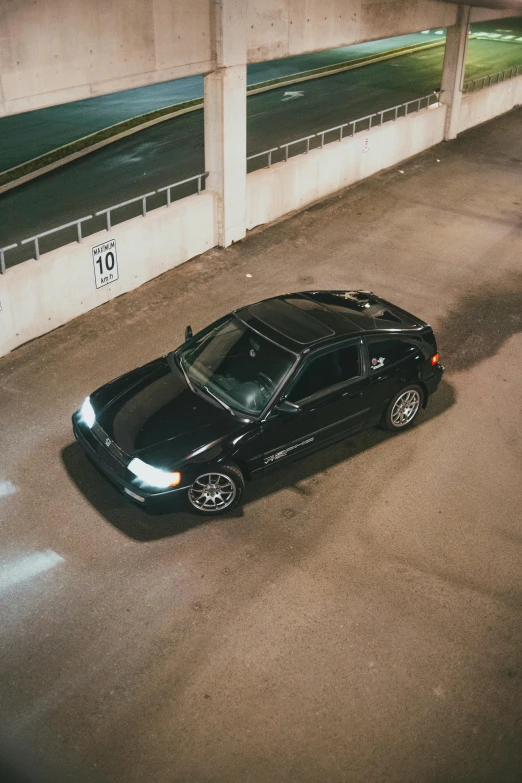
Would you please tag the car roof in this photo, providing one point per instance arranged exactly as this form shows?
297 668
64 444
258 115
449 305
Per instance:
303 320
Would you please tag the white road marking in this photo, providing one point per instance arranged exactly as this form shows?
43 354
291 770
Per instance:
291 95
7 488
20 569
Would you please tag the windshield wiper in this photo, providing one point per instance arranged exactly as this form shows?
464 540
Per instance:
189 382
227 407
179 361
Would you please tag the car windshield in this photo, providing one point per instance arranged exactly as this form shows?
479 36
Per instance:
236 365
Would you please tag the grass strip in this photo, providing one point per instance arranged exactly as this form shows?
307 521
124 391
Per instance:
92 139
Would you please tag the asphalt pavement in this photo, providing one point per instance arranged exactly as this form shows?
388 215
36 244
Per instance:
173 150
360 618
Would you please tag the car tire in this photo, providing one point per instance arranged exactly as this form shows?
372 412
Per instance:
217 490
403 409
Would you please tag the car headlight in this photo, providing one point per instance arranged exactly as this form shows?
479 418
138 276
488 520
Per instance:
87 414
154 477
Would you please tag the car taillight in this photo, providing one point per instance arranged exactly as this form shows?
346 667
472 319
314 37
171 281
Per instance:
434 359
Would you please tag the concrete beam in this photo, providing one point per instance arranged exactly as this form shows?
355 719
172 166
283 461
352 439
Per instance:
55 51
514 6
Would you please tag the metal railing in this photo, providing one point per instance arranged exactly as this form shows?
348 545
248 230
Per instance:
2 256
37 237
265 152
492 78
395 112
168 188
143 199
200 178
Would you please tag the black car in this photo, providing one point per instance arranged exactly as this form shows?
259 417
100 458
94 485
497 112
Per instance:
265 384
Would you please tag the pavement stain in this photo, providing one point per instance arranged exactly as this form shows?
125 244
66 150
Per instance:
480 322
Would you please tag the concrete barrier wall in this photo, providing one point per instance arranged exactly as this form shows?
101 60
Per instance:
38 296
483 105
285 187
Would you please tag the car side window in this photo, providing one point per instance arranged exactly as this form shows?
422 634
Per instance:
384 352
325 371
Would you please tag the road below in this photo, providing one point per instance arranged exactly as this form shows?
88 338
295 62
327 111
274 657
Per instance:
173 150
359 620
25 136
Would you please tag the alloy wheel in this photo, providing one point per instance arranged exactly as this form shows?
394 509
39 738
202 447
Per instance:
212 492
405 408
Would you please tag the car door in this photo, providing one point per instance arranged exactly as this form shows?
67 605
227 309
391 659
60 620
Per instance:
332 391
393 363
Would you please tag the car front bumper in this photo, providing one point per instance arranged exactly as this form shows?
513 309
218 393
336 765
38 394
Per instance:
117 472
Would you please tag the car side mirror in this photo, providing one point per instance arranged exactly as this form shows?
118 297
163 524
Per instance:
288 407
188 333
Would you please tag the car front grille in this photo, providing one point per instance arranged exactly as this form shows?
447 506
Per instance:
108 452
117 467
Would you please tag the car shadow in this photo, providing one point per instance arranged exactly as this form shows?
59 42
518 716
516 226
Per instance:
142 525
481 323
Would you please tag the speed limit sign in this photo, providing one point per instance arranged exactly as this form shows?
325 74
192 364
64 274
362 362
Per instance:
105 263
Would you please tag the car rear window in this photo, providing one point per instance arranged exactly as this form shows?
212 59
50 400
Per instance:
384 352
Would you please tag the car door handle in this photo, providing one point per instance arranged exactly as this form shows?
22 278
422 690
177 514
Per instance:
352 394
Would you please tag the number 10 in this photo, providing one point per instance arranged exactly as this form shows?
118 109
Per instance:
109 262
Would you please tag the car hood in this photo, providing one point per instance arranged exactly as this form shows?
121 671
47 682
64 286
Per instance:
151 412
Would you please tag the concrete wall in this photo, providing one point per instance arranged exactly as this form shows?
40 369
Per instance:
285 187
483 105
54 51
38 296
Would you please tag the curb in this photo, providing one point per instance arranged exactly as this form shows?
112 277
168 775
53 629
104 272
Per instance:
63 160
330 70
177 110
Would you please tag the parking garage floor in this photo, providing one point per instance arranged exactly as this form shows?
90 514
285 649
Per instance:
359 619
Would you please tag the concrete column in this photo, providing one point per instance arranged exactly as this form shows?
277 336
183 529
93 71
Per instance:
453 69
225 120
225 149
